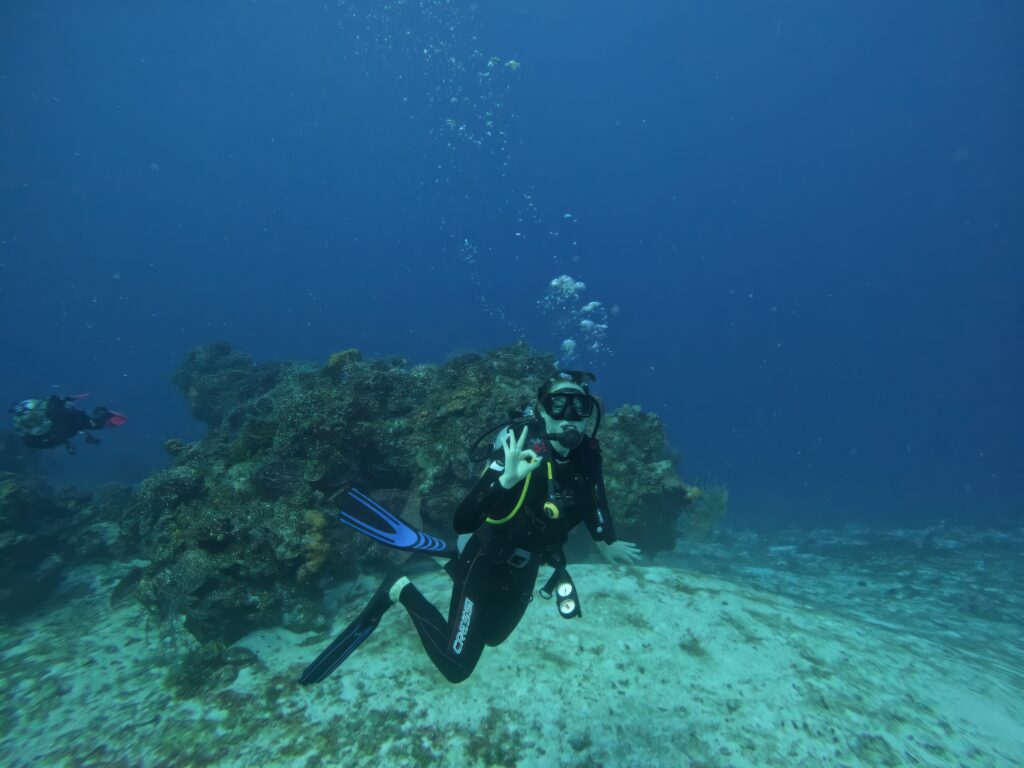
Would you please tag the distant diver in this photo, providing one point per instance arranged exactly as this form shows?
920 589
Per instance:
52 422
512 524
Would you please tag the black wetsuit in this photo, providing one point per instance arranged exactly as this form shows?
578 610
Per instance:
514 533
66 423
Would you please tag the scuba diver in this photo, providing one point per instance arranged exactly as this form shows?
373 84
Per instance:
52 422
538 484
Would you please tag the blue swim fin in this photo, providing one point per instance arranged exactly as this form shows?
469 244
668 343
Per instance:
371 519
351 638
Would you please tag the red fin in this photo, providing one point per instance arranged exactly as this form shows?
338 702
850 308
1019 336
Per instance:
79 397
116 419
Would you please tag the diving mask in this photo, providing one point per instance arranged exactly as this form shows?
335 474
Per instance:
568 405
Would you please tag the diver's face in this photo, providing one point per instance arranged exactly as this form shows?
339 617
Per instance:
559 424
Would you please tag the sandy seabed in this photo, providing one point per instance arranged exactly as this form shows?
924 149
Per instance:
797 653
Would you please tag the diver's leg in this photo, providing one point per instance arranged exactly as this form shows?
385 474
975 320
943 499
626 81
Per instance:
100 416
454 645
509 601
74 421
453 565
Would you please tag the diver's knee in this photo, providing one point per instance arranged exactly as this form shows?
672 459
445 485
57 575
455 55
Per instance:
458 675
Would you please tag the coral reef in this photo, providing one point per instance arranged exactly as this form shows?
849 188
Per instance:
645 493
206 668
14 456
41 532
237 531
708 505
216 378
30 565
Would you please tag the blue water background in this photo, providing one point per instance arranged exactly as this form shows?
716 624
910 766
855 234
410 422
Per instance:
808 215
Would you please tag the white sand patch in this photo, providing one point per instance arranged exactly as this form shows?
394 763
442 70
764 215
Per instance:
665 668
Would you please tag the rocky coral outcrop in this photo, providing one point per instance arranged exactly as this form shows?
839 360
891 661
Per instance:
238 530
644 491
14 456
216 379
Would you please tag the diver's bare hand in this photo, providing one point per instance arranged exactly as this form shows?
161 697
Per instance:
518 463
620 552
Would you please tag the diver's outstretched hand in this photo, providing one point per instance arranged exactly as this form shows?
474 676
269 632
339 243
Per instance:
518 463
620 552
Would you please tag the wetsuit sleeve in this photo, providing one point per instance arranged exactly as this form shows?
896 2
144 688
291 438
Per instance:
599 520
486 499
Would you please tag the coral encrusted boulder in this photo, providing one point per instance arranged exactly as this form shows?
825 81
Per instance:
241 532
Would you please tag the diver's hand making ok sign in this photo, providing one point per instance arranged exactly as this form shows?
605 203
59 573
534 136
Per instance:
518 463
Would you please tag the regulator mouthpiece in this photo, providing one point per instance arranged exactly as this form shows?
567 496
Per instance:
570 437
